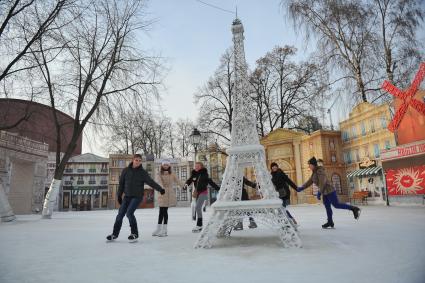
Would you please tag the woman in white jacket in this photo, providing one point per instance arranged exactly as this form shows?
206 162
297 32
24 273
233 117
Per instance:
168 180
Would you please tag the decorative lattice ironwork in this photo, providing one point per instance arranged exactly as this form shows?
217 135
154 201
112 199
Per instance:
245 151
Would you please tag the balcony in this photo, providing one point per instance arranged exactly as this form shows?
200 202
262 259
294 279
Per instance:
80 182
68 183
92 182
103 182
104 170
81 170
24 144
69 170
92 170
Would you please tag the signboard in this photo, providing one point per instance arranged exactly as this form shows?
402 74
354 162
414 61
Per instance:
407 150
366 163
406 181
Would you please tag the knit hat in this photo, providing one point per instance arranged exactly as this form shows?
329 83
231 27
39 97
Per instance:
312 161
165 162
273 165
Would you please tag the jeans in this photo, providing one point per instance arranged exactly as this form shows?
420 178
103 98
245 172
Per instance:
127 208
332 198
286 202
199 203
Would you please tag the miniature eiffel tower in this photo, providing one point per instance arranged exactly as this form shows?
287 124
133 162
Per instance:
245 152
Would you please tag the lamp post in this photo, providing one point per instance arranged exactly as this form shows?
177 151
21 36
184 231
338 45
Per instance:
195 139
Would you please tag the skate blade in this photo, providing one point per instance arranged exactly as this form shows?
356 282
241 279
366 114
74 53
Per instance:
330 228
360 212
132 241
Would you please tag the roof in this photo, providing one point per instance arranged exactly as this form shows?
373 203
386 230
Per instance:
88 158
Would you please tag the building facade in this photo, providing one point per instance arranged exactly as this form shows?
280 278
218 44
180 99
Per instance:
291 150
364 137
22 171
85 183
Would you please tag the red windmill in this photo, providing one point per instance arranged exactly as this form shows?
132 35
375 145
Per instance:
407 97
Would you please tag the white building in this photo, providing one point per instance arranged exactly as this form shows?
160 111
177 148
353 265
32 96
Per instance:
85 183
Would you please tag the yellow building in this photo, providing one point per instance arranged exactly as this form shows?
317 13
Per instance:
364 136
291 150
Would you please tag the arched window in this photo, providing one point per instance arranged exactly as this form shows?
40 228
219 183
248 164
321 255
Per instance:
336 182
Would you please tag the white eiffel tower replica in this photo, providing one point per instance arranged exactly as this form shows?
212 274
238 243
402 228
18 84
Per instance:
245 152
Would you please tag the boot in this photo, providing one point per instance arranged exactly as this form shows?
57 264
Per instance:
111 237
158 230
329 224
163 232
133 238
356 212
198 226
239 226
252 224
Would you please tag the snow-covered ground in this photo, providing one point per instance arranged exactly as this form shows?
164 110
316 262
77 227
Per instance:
386 245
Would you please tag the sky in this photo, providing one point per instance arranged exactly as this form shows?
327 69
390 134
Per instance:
192 36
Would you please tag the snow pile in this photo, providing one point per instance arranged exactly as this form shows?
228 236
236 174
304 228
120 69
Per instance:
385 245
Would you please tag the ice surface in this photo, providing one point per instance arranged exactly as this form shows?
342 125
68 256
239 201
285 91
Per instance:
386 245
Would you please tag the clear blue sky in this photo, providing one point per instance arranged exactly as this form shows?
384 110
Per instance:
193 36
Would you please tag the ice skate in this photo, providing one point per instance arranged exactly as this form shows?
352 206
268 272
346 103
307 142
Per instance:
328 225
163 231
111 237
157 230
133 238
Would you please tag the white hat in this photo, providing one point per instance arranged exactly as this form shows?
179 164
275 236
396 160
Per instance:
165 162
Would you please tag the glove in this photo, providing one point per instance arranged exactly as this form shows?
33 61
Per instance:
318 195
162 191
300 189
119 199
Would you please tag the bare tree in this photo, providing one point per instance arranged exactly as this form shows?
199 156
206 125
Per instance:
215 99
183 129
398 48
24 18
100 66
345 37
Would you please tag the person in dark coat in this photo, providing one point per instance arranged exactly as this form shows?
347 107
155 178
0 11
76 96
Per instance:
318 177
281 181
131 184
200 180
245 196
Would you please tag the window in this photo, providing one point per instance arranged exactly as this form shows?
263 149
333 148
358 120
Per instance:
345 136
184 173
357 155
376 150
333 158
331 144
80 180
121 163
366 151
347 157
92 180
383 122
363 129
92 168
387 144
336 182
183 194
372 126
353 130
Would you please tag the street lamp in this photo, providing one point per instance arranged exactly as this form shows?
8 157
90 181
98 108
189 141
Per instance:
195 139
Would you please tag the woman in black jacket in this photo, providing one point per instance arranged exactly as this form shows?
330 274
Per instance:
281 181
200 180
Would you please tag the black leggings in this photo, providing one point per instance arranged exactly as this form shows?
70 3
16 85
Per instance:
163 215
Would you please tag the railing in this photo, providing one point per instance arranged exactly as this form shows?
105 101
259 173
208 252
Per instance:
80 182
92 170
18 142
104 170
69 170
92 182
103 182
81 170
67 183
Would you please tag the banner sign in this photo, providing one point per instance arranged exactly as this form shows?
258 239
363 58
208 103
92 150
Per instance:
406 181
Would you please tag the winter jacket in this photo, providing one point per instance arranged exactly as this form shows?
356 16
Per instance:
318 177
281 181
132 182
167 181
247 183
200 179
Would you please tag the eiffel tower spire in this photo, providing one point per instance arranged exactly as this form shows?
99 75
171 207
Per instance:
244 131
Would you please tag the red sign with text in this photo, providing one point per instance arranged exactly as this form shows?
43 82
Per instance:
406 181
